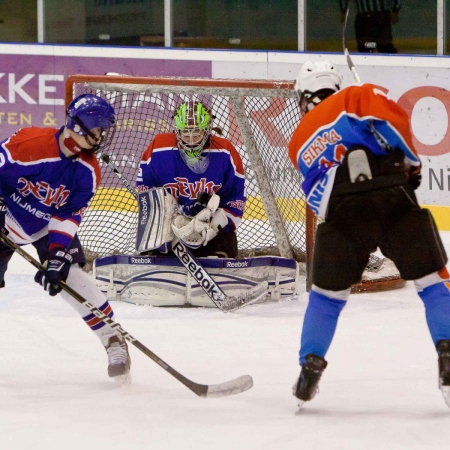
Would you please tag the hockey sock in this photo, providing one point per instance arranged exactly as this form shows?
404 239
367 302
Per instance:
319 324
87 288
94 323
436 299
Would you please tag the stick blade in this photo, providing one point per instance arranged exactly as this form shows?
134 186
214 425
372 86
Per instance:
253 295
446 394
232 387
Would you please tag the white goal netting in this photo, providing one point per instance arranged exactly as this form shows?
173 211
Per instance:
258 117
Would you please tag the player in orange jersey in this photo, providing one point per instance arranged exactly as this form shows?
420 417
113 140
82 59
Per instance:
354 149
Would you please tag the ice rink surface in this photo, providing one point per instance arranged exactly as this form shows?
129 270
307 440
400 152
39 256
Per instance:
379 390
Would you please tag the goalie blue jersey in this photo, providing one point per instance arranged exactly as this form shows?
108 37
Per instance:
163 166
45 192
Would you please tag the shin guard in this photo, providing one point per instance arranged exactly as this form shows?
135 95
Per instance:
436 299
319 324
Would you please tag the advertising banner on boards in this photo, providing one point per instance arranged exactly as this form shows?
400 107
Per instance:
32 83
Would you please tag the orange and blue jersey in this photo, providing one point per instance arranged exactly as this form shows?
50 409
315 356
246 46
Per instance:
45 192
359 115
163 166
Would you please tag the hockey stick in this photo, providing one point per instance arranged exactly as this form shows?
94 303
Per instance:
224 302
344 45
235 386
375 263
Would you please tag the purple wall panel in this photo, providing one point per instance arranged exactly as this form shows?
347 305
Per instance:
32 86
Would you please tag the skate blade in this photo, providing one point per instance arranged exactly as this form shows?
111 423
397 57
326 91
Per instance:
123 380
300 404
446 394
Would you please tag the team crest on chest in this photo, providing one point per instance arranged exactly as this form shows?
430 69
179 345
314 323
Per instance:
182 187
44 192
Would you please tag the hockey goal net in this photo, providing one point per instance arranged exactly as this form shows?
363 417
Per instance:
258 117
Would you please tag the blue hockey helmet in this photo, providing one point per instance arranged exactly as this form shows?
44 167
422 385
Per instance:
88 112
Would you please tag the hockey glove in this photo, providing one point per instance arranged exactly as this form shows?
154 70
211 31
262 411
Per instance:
2 213
56 270
199 230
196 231
415 178
218 222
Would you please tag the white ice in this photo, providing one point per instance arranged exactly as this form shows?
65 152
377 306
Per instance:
379 391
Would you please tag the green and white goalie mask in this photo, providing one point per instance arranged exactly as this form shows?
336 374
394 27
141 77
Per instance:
193 124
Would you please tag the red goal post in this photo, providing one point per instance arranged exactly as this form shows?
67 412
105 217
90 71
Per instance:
257 116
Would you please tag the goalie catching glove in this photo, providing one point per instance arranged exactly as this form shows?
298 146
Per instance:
57 269
200 229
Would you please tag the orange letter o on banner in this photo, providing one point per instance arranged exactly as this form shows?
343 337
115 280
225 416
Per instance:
408 100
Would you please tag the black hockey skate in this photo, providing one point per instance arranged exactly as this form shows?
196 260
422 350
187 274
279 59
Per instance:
306 387
443 348
119 361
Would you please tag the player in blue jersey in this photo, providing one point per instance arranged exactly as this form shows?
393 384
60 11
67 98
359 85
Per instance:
354 149
47 178
192 164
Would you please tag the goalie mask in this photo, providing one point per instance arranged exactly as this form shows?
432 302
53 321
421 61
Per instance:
93 118
193 124
315 82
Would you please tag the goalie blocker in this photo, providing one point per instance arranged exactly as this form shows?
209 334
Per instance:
157 209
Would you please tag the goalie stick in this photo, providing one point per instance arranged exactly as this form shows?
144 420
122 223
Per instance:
235 386
344 45
224 302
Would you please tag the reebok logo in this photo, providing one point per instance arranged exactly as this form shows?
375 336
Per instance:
197 271
144 209
237 264
141 260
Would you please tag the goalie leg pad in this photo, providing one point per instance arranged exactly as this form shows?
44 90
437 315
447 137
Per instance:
157 208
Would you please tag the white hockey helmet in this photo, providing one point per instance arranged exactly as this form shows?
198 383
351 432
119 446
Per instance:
316 81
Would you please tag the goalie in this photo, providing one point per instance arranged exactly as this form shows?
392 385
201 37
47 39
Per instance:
191 187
